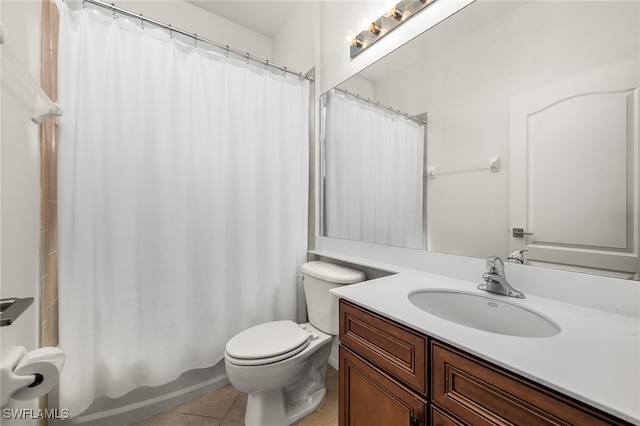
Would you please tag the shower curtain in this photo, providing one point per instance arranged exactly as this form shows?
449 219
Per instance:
374 174
182 203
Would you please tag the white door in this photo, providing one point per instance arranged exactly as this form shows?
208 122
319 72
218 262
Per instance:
574 172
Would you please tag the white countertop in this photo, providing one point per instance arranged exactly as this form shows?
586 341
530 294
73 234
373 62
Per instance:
595 358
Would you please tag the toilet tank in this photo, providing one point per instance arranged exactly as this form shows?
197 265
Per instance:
322 305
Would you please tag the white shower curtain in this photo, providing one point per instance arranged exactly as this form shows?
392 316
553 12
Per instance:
374 174
182 203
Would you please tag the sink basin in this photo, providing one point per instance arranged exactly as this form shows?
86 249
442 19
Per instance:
484 313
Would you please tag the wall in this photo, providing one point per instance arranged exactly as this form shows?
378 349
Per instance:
19 182
295 45
190 18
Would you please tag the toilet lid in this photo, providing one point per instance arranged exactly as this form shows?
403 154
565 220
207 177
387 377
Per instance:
268 340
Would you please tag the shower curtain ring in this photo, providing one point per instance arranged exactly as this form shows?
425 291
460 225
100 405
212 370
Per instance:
170 32
195 40
141 21
248 56
113 9
284 71
226 52
266 65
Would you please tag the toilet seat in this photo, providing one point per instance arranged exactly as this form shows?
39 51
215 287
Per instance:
267 343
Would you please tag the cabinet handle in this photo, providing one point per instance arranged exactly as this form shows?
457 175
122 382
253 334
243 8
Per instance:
414 421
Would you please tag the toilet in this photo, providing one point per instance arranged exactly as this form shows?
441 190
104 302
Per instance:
281 365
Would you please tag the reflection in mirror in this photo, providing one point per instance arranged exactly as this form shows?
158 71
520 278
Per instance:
374 167
549 88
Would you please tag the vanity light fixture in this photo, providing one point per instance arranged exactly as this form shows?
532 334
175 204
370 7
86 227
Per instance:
402 11
395 13
375 29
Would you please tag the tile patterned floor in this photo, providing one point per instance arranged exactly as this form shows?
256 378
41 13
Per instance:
225 407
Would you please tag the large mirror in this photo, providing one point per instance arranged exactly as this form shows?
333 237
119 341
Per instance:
513 125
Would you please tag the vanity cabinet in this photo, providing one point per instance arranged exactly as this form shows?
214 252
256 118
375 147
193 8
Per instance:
383 371
393 375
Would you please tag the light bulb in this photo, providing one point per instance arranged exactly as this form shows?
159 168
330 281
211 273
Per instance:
348 37
365 24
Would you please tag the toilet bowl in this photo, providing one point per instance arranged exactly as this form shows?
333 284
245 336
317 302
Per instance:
281 365
283 387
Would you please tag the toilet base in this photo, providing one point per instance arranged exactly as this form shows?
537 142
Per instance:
268 408
285 405
283 392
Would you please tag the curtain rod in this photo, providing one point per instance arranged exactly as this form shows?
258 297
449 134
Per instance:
194 36
385 108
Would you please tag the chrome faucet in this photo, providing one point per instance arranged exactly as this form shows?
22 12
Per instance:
496 281
516 256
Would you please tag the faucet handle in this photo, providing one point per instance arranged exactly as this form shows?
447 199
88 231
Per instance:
495 265
516 256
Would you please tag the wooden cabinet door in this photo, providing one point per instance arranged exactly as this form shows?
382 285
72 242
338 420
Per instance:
370 397
441 418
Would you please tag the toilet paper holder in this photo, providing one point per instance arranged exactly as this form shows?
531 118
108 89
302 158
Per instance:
12 308
23 383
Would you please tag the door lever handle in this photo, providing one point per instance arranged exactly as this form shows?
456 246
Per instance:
519 232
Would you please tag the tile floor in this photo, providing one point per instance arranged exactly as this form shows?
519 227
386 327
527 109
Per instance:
225 407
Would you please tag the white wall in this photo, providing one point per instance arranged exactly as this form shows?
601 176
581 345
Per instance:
192 19
19 181
295 44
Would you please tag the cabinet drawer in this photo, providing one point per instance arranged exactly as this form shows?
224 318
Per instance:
393 347
479 393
